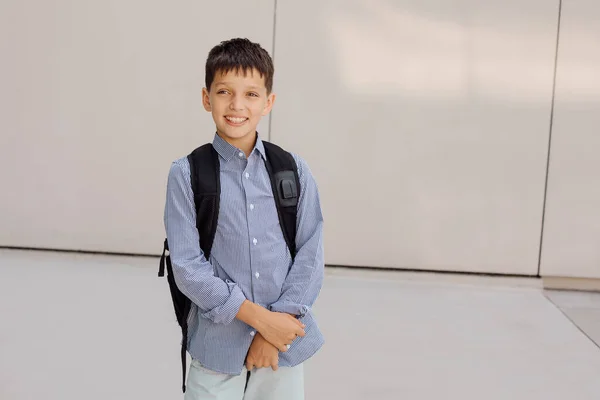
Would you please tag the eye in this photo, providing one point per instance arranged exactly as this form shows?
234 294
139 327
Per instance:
223 91
252 94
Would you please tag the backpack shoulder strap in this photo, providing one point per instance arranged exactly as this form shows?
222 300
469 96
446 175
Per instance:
206 185
283 172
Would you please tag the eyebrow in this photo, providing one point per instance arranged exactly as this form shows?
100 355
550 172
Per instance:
229 83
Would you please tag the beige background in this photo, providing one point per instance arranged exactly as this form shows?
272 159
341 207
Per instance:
572 229
100 97
426 124
432 124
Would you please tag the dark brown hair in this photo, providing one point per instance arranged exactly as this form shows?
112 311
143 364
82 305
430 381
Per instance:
240 55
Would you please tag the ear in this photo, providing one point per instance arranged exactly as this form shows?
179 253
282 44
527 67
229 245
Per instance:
206 100
269 105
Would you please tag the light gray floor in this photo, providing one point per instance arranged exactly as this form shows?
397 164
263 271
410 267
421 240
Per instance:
582 308
98 327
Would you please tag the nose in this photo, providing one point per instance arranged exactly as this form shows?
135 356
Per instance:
237 103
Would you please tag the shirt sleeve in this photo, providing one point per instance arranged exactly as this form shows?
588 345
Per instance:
218 300
305 277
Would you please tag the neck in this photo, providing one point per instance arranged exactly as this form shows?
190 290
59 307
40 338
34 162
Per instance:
245 143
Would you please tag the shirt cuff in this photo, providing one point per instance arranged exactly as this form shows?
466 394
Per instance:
299 310
226 313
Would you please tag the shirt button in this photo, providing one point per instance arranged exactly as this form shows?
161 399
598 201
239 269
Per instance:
247 175
241 154
252 206
257 275
252 333
254 241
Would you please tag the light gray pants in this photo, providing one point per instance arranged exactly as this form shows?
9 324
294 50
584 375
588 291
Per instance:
264 384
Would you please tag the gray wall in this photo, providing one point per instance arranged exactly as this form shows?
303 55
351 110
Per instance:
426 124
432 122
98 98
572 228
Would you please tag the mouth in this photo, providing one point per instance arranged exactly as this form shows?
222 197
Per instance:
235 121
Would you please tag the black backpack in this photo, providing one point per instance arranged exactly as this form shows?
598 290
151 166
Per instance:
206 186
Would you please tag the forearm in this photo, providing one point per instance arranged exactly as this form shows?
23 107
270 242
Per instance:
279 329
218 300
252 314
305 278
297 300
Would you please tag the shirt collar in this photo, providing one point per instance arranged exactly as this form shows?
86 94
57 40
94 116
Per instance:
227 151
260 147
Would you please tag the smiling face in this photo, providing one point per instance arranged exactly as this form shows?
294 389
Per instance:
238 101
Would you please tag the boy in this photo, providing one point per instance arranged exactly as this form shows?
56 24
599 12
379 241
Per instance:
251 326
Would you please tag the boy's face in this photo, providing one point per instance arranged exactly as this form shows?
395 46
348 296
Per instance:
237 103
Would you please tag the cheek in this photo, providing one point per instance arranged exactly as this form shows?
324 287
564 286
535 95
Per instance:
258 109
216 107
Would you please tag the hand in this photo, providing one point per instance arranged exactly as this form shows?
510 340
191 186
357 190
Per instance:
262 354
280 329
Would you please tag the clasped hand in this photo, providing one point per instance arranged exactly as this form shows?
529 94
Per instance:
275 334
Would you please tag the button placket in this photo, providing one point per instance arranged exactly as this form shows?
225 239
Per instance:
249 172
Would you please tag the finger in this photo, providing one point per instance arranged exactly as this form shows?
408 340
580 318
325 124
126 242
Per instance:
301 332
282 348
298 322
274 367
249 366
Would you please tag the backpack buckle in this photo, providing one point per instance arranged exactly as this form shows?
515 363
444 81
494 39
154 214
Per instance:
286 188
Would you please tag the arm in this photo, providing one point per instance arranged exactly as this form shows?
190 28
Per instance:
305 277
219 301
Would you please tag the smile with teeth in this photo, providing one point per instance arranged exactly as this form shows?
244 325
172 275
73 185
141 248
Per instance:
236 120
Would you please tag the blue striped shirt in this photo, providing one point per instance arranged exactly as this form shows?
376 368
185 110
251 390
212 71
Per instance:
249 258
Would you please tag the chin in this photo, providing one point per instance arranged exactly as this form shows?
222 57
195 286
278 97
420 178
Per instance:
237 134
